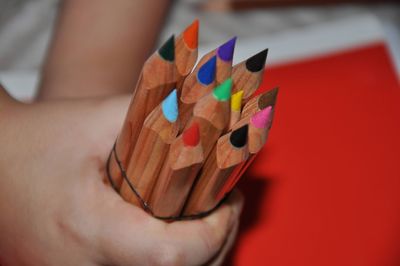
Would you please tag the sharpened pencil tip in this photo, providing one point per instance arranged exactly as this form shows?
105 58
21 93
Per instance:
167 50
170 107
206 73
191 35
236 101
191 136
223 91
238 137
257 61
268 99
262 119
225 51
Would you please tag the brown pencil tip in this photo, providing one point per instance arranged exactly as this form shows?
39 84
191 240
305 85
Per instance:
268 99
191 136
191 35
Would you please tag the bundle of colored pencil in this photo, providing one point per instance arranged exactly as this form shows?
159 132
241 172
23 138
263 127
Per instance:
190 131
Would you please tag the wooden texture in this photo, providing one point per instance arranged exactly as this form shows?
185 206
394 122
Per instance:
246 80
257 139
185 59
157 79
213 117
192 90
149 155
235 118
214 176
260 102
176 178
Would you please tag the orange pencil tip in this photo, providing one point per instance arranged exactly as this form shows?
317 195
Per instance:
191 35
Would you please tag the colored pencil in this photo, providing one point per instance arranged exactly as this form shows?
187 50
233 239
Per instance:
236 107
173 163
259 126
212 114
247 75
157 79
224 54
260 102
186 52
198 84
230 151
213 69
159 130
177 175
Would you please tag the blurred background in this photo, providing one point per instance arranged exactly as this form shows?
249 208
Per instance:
293 29
325 190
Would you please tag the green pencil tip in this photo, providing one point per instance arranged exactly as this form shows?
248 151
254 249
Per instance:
223 91
167 50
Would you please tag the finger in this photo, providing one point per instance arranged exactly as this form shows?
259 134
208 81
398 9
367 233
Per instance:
219 259
132 237
195 242
126 234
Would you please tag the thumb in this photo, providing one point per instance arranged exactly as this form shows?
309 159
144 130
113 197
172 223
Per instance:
129 236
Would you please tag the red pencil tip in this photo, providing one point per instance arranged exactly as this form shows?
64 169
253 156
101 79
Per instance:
191 35
191 136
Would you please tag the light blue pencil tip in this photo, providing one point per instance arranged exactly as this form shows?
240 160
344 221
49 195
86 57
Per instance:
170 107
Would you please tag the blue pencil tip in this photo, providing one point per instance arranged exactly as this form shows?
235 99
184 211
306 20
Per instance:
225 51
206 73
170 107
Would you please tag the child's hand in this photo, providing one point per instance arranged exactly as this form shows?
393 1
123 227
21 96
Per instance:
55 209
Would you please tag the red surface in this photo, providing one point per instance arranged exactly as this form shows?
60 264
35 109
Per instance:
326 188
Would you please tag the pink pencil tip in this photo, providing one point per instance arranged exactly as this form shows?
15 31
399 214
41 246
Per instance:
262 118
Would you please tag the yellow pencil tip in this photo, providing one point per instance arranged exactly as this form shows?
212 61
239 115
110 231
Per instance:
236 101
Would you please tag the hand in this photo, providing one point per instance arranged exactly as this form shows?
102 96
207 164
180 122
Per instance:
55 209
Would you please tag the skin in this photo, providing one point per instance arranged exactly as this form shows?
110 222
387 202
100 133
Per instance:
55 209
99 47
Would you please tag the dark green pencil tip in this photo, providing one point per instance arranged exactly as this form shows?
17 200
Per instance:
167 50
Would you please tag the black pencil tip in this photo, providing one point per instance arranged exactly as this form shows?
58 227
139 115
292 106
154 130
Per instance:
257 61
238 137
167 50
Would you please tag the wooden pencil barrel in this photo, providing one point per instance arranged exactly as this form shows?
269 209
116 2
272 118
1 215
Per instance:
171 190
144 166
245 80
149 93
211 181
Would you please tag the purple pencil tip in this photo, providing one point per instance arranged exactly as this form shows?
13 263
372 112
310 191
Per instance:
225 51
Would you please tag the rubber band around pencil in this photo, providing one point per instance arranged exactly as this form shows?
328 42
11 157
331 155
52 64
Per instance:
144 204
